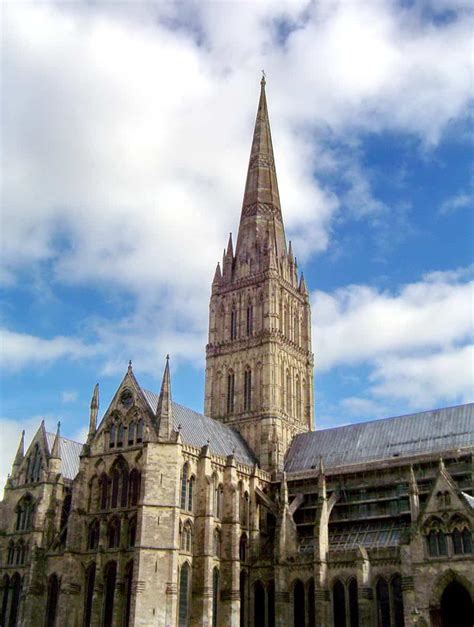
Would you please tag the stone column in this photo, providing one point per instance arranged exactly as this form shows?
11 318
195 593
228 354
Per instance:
230 565
201 609
282 598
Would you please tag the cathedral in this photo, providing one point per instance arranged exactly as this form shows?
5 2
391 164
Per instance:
245 515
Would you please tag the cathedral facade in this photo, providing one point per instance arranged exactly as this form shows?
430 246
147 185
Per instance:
244 516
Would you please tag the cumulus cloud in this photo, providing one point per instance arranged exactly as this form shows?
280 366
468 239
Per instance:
416 341
460 200
21 349
125 157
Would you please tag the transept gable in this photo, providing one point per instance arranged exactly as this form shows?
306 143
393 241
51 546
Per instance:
445 503
128 410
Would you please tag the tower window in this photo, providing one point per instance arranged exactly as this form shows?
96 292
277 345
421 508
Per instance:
230 392
247 390
249 320
233 324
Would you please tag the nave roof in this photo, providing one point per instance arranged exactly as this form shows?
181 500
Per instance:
199 430
70 451
421 433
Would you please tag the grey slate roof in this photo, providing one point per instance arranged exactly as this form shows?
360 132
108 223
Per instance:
70 451
197 429
425 432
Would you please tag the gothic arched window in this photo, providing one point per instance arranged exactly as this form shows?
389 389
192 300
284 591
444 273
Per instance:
52 600
183 603
112 436
113 533
191 494
243 548
128 591
89 594
184 486
110 578
288 392
131 433
233 323
217 543
298 397
249 319
93 535
339 604
247 389
132 531
383 603
396 596
134 487
140 431
120 435
230 392
215 596
353 604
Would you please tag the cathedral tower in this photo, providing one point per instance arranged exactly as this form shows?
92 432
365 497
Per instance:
259 363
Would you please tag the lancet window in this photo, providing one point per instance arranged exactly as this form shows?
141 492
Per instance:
230 392
134 486
187 538
233 323
24 513
249 319
187 489
93 535
33 466
247 389
184 589
215 596
113 533
217 542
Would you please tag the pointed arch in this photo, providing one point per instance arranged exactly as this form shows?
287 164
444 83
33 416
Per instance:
353 603
216 591
134 487
247 388
128 592
383 602
113 533
230 391
259 604
110 578
89 593
339 604
52 600
299 604
184 595
15 591
93 535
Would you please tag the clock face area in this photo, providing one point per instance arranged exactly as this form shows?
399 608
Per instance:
126 399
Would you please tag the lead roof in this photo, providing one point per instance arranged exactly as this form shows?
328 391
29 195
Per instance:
426 432
199 430
69 451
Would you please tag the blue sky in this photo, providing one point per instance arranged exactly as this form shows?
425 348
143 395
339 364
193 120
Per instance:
126 135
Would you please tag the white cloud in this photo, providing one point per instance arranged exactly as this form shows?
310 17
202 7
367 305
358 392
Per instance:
125 153
425 380
416 342
68 396
21 349
359 323
458 201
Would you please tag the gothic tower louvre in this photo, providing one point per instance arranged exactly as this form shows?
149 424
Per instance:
259 364
243 516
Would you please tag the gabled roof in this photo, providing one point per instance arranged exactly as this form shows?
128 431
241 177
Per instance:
402 436
197 429
70 451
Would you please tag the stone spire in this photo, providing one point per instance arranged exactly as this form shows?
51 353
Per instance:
54 462
56 450
164 411
20 454
94 410
261 210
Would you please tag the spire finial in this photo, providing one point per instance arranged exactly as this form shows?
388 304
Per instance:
21 450
263 82
56 451
129 365
164 410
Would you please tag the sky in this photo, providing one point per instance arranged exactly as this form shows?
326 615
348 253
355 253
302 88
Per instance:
126 132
